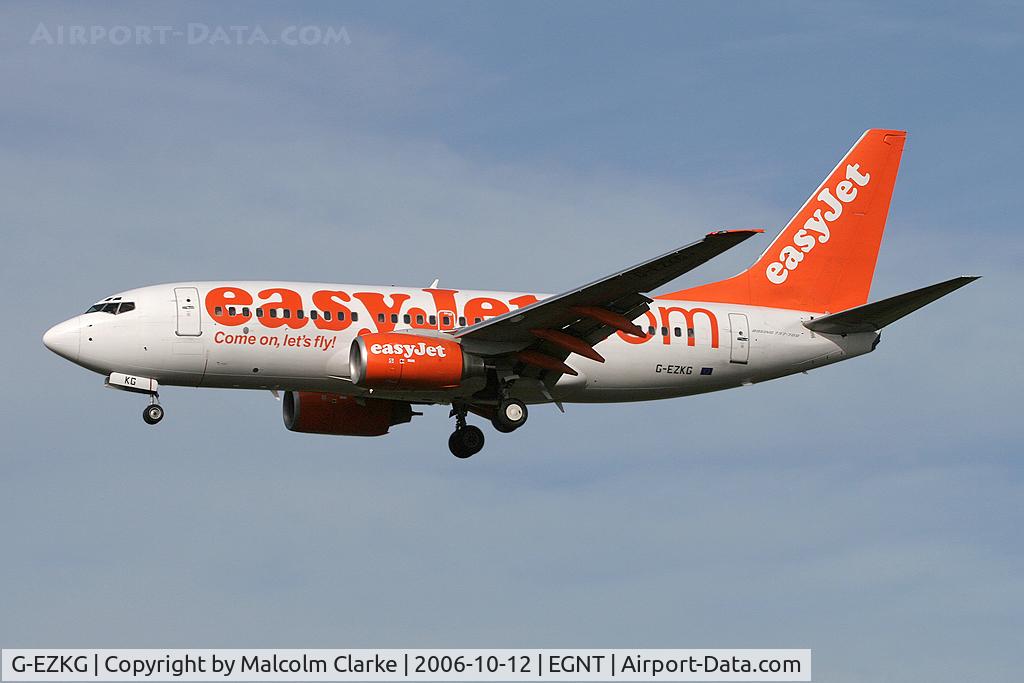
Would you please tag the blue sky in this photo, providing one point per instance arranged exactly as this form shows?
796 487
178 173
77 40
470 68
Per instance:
870 511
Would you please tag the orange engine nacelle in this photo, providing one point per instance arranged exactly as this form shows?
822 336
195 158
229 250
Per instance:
314 412
406 361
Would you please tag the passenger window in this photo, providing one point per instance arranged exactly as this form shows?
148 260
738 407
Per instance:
245 311
650 330
446 320
286 313
476 320
273 312
380 317
299 314
313 315
678 332
259 312
689 331
664 332
462 321
217 310
231 310
394 317
432 319
407 318
355 317
419 319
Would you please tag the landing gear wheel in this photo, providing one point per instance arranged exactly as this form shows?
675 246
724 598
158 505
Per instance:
510 416
500 427
153 414
466 441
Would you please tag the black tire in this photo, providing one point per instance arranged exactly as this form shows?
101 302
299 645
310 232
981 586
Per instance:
466 442
500 427
152 414
455 446
510 416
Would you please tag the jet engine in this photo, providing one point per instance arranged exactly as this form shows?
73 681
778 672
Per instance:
315 412
406 361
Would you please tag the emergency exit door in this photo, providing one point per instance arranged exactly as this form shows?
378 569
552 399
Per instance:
189 324
740 349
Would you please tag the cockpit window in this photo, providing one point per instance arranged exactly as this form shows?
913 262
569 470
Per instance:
113 307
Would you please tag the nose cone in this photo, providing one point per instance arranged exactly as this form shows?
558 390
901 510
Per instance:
64 339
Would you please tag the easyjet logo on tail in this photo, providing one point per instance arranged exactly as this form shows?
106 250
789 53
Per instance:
409 351
817 228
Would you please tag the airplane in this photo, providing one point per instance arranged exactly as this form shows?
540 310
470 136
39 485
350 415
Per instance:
357 360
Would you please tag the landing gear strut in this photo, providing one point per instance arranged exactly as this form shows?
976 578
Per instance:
154 412
466 440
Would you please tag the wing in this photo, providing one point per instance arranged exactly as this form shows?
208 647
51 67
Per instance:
543 334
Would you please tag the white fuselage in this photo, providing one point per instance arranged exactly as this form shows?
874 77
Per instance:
177 335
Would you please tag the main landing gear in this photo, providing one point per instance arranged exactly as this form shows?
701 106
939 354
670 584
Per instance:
154 412
466 440
510 415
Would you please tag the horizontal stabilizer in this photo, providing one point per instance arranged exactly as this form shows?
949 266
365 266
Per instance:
874 316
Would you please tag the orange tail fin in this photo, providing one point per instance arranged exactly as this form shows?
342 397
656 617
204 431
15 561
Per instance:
823 260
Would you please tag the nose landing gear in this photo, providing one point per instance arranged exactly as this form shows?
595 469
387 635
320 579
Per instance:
154 412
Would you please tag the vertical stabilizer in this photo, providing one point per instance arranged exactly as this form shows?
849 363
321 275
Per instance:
824 259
